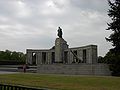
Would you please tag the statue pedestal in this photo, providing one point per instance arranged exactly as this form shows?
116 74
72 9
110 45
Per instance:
60 46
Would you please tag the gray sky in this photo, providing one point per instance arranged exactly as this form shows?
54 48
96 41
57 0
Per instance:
34 23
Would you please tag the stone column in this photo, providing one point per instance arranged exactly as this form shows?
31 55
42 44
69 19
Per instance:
89 55
48 57
80 54
29 58
92 54
70 57
39 58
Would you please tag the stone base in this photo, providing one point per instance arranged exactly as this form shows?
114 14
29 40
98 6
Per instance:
75 69
60 46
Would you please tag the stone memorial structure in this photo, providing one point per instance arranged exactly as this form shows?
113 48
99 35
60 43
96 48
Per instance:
61 59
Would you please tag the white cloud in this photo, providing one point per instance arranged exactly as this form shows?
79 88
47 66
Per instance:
22 9
53 7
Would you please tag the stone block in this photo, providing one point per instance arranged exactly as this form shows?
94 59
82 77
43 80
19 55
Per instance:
75 69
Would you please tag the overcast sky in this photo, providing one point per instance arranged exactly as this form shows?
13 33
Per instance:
34 23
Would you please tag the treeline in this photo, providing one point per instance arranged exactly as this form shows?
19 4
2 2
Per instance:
113 61
12 57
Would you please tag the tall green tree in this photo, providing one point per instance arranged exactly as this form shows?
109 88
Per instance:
114 38
114 14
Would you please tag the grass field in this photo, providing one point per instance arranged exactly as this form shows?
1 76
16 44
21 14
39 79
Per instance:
62 82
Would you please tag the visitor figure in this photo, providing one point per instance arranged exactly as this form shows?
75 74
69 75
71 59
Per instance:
24 68
59 32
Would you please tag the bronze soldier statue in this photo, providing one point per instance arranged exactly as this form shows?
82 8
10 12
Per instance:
59 32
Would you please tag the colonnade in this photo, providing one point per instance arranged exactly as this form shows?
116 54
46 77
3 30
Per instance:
86 54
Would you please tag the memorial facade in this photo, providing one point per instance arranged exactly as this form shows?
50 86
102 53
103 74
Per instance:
64 60
85 54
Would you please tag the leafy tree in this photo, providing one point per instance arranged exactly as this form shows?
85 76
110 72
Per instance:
114 61
100 59
7 54
113 56
14 57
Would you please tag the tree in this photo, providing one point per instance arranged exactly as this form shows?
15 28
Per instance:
100 59
114 61
7 57
114 38
114 14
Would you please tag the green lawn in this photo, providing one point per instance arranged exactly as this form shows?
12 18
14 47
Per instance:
62 82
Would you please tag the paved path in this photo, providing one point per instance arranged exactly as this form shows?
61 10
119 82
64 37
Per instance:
5 72
14 68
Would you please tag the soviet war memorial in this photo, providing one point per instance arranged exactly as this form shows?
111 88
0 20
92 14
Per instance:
60 59
59 44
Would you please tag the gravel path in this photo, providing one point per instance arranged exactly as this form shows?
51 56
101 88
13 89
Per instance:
5 72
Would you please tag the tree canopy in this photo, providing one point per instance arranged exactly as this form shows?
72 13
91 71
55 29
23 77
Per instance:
12 56
114 26
113 56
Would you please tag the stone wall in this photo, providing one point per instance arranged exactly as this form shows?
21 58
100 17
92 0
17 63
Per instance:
75 69
91 53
